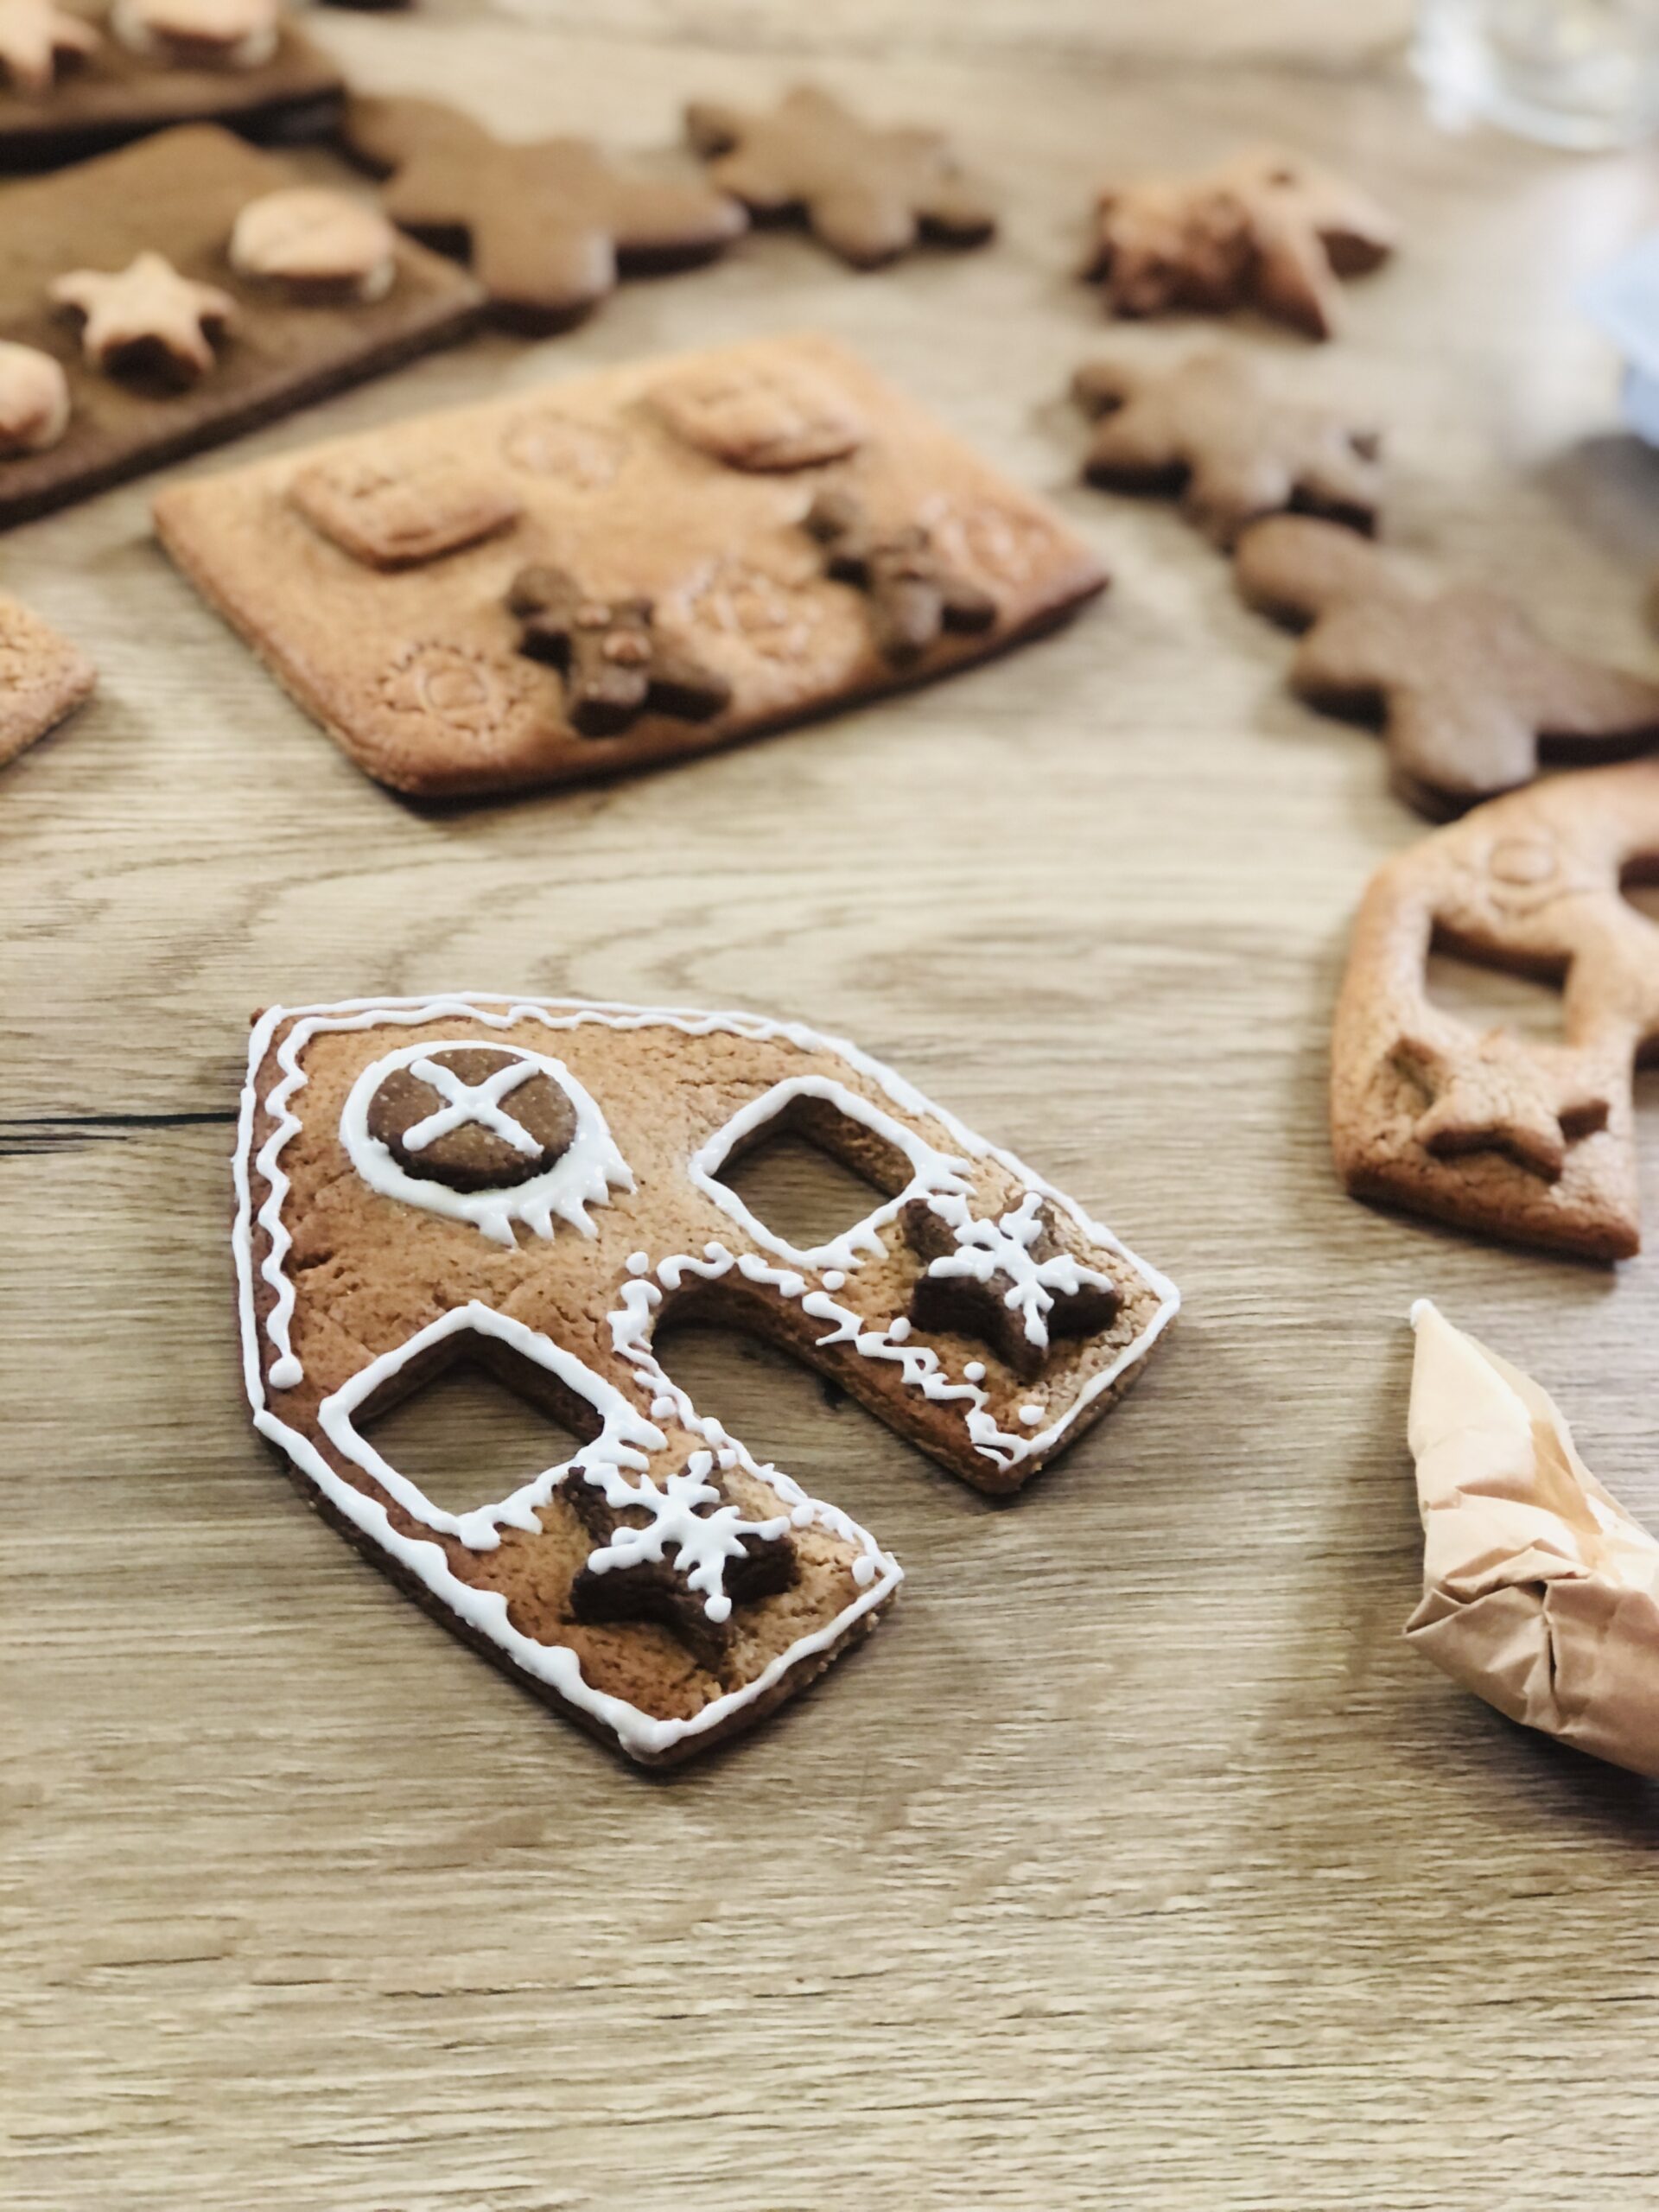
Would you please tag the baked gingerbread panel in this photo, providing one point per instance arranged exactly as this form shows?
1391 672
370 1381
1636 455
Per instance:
267 343
701 548
536 1185
75 81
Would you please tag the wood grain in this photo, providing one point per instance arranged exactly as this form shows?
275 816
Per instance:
1135 1863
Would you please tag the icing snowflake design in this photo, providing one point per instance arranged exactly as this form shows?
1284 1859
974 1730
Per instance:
702 1541
988 1249
469 1105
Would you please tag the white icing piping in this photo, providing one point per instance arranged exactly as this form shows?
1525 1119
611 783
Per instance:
583 1175
702 1542
931 1171
623 1441
985 1249
564 1013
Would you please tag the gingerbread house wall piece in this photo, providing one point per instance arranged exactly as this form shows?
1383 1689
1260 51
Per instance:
536 1185
1530 1141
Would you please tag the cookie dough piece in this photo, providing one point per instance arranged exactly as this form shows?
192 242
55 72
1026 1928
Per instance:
1266 230
867 193
42 678
139 244
322 247
1233 444
536 1185
641 601
34 401
547 226
1530 1141
1469 695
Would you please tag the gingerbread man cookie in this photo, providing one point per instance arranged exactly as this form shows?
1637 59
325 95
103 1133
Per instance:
1469 695
547 226
616 663
1267 230
1531 1142
915 596
1214 429
866 192
537 1187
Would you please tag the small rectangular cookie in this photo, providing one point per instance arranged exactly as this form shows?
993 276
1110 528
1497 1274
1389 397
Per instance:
679 552
536 1186
110 93
42 678
178 195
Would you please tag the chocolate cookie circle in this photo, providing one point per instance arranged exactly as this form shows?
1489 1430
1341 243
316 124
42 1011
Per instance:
477 1154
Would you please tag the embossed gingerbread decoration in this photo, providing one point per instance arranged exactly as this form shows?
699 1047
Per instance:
656 1581
200 34
1267 230
1471 697
390 518
763 421
319 246
1235 448
34 400
866 192
914 597
1529 1141
36 36
1008 1282
146 320
548 225
616 664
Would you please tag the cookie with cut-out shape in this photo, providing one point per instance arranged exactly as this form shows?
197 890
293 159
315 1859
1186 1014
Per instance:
1526 1140
539 1186
1234 445
1471 697
868 191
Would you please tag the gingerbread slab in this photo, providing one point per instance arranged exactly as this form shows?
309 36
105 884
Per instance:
537 1186
178 195
108 94
683 552
42 678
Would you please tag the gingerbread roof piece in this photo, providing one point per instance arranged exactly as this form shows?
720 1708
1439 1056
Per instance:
1235 445
1528 1141
1267 230
153 65
176 201
1470 695
547 225
537 1187
455 674
42 678
866 191
36 38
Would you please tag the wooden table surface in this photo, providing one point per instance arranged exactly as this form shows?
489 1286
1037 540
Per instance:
1136 1863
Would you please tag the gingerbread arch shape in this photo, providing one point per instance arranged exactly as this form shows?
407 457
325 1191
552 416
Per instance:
1530 1141
536 1185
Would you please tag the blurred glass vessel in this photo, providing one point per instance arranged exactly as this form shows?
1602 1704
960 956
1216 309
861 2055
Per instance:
1582 73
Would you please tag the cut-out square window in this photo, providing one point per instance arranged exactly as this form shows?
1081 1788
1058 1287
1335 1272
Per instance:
466 1437
1487 996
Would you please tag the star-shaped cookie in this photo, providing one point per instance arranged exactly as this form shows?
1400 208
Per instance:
866 192
1503 1097
35 36
146 319
1234 445
547 225
1267 230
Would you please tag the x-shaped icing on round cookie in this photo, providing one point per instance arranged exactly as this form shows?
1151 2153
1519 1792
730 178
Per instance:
537 1187
1529 1141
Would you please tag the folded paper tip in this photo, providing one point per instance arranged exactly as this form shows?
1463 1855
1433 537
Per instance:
1420 1308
